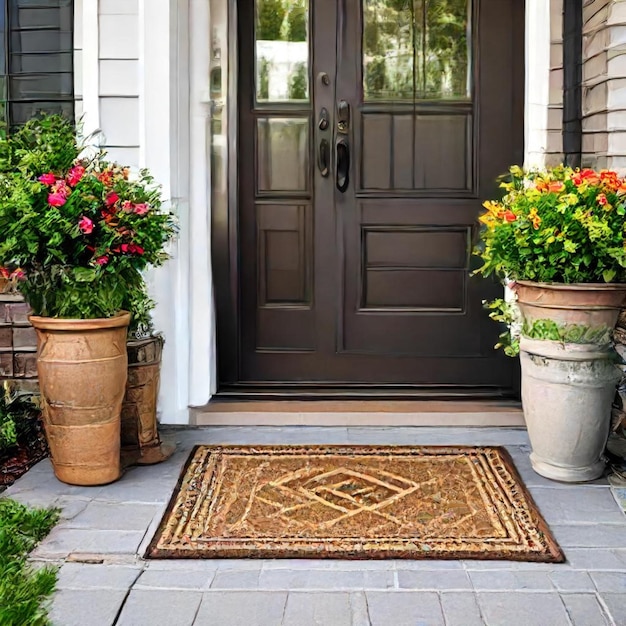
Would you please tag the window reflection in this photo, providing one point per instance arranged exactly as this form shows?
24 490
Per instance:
416 49
282 50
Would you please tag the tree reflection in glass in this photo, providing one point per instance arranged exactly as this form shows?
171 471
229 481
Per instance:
416 49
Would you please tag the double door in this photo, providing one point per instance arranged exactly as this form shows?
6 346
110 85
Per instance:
370 132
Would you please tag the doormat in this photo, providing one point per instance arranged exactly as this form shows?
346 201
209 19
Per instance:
352 502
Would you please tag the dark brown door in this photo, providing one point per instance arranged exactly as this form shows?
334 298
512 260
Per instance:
370 132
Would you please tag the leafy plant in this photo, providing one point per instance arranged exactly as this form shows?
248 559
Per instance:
299 82
78 230
559 225
297 23
506 312
270 18
263 90
23 590
16 417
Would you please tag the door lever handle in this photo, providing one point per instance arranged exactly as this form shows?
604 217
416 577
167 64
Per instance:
323 157
343 165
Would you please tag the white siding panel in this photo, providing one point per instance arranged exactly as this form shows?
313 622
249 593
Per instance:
119 120
78 24
118 7
124 156
78 74
119 37
119 78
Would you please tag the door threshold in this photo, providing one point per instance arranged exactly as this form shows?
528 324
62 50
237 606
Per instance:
479 413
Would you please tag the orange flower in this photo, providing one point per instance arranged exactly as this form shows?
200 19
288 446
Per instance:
509 216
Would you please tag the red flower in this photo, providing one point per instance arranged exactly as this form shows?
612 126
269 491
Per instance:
57 199
111 199
102 260
4 272
75 175
602 199
141 209
85 225
509 216
131 248
48 179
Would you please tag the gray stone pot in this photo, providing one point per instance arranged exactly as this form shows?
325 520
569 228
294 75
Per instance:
567 393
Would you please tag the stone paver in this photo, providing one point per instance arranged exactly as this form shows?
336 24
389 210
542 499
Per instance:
404 608
585 610
242 608
77 607
523 609
461 609
304 609
104 530
160 608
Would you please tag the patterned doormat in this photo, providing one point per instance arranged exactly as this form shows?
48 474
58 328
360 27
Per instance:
352 502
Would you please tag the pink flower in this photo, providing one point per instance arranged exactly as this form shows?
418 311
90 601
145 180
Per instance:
131 248
57 199
602 199
127 206
137 249
102 260
18 274
85 225
48 179
75 175
4 272
141 209
111 198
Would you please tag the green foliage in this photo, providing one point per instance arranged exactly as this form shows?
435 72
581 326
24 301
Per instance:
263 89
23 591
81 230
559 225
297 23
376 76
299 82
549 330
506 313
270 18
16 417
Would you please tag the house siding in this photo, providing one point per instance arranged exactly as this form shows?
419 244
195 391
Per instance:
604 84
114 90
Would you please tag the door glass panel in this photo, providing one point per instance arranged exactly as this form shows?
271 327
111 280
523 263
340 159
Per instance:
282 50
416 49
283 154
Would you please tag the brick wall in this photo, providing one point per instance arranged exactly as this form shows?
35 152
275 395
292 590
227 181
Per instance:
18 343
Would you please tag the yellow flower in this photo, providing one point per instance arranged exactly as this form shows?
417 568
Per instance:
534 218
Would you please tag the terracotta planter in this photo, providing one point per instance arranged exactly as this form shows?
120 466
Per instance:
82 367
568 387
141 444
594 305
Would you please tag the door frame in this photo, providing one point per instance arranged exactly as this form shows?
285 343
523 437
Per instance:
225 253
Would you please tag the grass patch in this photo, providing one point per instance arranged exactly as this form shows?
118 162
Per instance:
22 588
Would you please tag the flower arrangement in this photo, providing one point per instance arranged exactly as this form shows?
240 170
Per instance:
559 225
78 230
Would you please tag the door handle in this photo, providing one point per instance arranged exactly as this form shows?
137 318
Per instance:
343 165
323 158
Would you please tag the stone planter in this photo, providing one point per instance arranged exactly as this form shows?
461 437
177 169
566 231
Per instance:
82 367
567 393
568 386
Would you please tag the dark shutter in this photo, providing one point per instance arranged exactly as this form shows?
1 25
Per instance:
36 59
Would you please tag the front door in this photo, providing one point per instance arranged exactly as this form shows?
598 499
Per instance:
370 132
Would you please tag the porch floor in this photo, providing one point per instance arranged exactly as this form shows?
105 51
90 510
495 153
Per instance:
104 581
